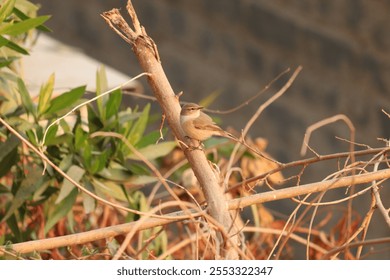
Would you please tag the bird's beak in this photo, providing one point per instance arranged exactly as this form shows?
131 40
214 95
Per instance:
200 107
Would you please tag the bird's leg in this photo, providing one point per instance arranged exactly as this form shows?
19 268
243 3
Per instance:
192 148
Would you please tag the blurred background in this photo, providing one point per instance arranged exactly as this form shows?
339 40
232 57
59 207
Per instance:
235 48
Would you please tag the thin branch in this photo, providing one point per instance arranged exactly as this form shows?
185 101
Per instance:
327 121
293 236
249 124
387 114
247 102
355 244
385 212
307 162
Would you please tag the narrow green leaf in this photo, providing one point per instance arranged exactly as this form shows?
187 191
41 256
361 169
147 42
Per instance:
98 161
89 202
154 151
139 126
45 94
76 173
26 98
63 139
65 100
51 135
80 138
9 44
61 210
66 162
32 136
29 185
150 138
23 16
12 223
4 62
113 103
141 180
6 9
86 153
14 29
210 98
101 87
115 174
8 154
109 188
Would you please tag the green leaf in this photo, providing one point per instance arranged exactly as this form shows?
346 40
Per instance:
45 94
26 98
210 98
12 223
118 174
80 138
113 103
150 138
51 135
61 210
139 126
89 202
98 161
101 87
12 45
63 139
14 29
109 188
29 185
6 9
23 16
32 137
66 162
4 62
154 151
76 173
65 100
141 180
8 154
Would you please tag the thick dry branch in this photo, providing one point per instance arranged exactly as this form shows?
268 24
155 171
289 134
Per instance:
92 235
309 188
147 54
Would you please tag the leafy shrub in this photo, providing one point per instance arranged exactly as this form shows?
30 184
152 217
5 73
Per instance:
33 197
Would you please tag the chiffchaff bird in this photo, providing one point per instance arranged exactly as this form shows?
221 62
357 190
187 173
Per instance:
199 126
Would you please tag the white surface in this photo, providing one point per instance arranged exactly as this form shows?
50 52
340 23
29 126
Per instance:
72 68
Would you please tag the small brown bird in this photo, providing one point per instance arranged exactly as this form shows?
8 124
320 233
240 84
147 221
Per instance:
198 125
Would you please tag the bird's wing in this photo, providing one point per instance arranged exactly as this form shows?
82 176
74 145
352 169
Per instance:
205 122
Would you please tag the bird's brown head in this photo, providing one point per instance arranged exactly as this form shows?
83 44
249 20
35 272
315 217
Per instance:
189 109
